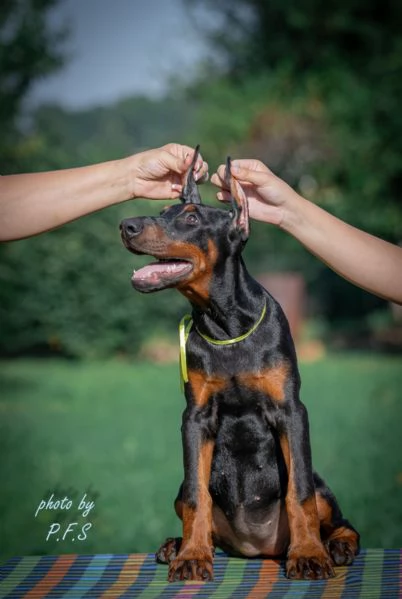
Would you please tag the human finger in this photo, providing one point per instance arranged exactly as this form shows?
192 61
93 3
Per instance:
248 175
224 196
218 177
185 154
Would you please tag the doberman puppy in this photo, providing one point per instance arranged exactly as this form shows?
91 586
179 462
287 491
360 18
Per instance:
249 486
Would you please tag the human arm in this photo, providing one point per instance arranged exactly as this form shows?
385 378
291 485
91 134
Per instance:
365 260
37 202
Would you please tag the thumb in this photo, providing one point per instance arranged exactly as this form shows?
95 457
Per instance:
174 163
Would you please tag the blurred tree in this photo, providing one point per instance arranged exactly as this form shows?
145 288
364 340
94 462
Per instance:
61 138
69 291
56 294
292 93
29 50
306 35
343 62
315 89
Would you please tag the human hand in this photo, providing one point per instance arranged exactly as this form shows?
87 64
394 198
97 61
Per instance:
266 193
158 173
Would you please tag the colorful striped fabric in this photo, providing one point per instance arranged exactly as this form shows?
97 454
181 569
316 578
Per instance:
375 574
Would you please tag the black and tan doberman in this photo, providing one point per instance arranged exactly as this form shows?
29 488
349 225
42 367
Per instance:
249 486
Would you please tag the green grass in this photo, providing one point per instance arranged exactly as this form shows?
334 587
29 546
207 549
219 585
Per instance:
112 430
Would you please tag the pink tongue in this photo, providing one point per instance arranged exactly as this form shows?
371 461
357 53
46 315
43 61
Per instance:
158 270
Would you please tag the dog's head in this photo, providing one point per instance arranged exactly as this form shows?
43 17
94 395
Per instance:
189 240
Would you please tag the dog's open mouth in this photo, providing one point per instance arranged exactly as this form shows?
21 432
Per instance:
161 274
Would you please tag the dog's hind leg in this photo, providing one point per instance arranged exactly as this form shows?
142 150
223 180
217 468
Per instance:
168 551
338 535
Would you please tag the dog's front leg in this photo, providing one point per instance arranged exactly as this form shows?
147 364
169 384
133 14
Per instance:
194 560
307 557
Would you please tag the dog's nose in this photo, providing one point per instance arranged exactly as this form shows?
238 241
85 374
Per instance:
131 227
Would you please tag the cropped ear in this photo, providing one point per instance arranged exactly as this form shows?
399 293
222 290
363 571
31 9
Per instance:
238 202
190 193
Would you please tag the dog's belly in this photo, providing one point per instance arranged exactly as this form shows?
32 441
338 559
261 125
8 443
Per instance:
267 535
248 487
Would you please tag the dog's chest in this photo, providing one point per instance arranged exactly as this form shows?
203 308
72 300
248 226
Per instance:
237 375
228 361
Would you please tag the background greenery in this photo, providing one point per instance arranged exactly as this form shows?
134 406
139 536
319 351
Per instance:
314 90
112 429
311 89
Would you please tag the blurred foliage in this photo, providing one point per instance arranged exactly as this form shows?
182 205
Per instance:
305 35
314 91
311 89
69 291
29 50
322 85
103 133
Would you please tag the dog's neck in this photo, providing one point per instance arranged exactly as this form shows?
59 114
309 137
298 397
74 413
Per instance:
231 305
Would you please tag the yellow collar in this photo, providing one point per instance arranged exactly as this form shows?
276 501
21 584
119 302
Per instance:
184 330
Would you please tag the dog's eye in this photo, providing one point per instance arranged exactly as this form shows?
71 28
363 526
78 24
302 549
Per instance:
192 219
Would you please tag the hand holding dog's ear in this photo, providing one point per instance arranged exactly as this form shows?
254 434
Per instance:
266 193
158 174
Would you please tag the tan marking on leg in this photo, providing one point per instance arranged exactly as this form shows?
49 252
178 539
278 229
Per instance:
341 541
178 508
307 556
330 530
197 524
303 517
342 533
324 511
197 545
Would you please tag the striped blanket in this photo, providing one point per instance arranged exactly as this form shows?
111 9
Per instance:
375 573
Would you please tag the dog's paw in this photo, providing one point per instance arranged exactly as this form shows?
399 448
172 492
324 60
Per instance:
342 551
168 551
317 567
191 569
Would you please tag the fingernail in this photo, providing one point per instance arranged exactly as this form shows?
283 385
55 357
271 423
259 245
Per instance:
235 167
176 187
